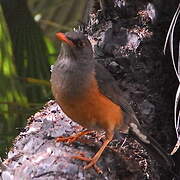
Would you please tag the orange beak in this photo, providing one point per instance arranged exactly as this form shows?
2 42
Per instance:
62 37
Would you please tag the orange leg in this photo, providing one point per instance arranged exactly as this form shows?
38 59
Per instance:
92 161
74 137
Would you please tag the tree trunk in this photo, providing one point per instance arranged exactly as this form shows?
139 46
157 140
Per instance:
128 38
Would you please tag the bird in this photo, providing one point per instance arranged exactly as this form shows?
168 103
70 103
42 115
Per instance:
88 94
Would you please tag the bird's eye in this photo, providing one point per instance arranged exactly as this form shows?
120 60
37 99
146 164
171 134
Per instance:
80 44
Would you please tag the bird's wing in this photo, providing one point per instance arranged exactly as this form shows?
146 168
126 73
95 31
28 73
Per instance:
109 88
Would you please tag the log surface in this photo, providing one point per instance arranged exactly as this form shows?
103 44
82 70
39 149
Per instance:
36 155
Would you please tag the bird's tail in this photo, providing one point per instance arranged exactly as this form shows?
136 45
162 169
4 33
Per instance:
152 146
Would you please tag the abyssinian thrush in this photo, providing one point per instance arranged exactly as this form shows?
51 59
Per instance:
89 95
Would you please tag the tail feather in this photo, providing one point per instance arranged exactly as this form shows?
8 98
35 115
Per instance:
152 146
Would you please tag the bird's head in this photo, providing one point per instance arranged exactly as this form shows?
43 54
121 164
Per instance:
76 45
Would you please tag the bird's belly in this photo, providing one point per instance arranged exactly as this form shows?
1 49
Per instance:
94 111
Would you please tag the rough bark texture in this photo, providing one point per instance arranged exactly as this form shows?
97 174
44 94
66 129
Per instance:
129 42
36 155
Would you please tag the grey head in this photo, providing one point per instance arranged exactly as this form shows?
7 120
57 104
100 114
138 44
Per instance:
76 46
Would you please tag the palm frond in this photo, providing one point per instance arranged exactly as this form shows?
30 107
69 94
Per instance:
60 15
170 37
30 53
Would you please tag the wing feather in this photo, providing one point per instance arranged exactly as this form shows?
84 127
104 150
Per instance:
109 88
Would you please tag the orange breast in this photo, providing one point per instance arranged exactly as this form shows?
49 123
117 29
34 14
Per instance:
93 110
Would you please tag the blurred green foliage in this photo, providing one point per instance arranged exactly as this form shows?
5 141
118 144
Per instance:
27 49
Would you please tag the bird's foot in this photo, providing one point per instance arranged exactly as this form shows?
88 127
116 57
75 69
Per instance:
74 137
92 162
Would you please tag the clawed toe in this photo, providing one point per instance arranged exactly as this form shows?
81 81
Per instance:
92 163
